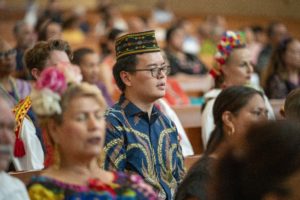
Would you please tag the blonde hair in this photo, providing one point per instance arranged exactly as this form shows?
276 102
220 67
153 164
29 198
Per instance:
72 92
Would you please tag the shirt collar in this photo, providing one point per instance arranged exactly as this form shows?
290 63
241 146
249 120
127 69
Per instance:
132 110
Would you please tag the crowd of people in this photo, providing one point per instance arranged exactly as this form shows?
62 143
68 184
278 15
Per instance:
99 123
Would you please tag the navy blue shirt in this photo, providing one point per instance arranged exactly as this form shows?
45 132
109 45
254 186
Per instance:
146 146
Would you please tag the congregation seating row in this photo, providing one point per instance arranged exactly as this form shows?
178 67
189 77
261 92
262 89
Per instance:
25 176
190 117
8 18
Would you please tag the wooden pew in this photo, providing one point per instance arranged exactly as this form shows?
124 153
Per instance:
195 85
190 117
25 176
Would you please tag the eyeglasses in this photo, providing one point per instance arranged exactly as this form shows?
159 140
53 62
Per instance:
6 54
155 72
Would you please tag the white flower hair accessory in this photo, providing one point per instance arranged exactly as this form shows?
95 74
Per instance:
45 95
45 102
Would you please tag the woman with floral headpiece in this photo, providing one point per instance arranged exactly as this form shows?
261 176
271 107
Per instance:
72 115
233 69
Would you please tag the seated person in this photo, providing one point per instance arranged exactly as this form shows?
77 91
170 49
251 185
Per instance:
194 184
234 68
180 61
139 137
10 188
236 108
48 29
88 61
263 164
28 152
45 54
282 75
73 117
25 39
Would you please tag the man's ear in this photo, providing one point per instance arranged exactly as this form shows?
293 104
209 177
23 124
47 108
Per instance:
126 78
227 118
35 73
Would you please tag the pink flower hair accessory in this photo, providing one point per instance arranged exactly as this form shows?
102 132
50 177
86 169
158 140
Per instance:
53 79
47 91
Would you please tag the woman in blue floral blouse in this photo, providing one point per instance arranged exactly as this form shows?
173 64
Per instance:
72 116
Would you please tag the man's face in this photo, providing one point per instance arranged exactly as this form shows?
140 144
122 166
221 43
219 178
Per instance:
90 68
7 124
7 59
280 33
26 37
145 85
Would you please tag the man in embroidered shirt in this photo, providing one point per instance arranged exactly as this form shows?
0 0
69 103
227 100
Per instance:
139 138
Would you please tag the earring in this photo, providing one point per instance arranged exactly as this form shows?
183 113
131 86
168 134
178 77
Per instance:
56 158
229 130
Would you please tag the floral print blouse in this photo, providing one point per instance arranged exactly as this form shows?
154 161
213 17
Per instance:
124 186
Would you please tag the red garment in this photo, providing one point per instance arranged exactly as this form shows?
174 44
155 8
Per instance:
175 95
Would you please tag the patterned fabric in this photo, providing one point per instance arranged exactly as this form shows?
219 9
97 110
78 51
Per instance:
230 40
124 186
135 43
149 147
20 111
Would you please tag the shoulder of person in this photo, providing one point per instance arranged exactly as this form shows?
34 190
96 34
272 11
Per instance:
10 184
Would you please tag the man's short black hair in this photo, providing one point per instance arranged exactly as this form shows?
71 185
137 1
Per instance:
126 63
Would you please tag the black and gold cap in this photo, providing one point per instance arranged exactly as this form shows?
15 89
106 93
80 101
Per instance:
136 43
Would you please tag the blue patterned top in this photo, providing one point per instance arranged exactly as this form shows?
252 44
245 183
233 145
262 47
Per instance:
146 146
